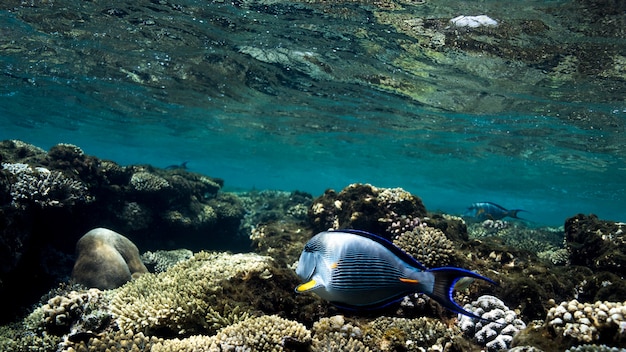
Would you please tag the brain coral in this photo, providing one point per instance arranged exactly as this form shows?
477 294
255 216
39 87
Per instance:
183 299
589 322
496 333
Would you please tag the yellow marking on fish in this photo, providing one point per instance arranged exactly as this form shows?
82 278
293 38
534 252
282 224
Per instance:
334 265
409 281
306 286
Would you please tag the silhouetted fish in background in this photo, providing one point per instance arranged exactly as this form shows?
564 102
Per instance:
359 270
490 211
182 166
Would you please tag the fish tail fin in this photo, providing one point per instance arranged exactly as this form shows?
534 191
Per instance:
513 213
445 279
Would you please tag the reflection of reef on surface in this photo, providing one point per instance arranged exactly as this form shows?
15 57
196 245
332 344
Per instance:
206 300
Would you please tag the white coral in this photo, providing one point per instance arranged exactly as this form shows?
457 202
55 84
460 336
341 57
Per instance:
498 330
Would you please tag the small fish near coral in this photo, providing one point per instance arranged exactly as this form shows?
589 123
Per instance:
182 166
358 270
490 211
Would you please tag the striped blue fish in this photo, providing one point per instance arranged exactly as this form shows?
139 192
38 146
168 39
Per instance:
359 270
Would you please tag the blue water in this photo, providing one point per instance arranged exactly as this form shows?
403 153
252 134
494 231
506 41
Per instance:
310 134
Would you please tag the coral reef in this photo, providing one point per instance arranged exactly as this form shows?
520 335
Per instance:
428 245
335 334
178 301
160 261
73 313
106 260
48 200
589 322
365 207
44 188
211 301
501 324
597 244
266 333
402 334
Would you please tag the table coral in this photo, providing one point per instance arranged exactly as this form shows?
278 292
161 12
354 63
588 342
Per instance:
588 322
495 333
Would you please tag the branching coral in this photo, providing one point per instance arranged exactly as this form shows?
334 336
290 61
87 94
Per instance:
265 333
43 187
178 301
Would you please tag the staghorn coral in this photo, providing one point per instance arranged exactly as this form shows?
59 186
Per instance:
588 322
178 301
393 334
44 188
495 333
428 245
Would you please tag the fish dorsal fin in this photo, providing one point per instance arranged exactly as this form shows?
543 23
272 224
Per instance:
404 256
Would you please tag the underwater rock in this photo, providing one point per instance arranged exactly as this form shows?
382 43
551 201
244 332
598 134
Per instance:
597 244
367 208
106 260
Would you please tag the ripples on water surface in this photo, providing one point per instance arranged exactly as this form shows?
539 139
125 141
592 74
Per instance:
316 94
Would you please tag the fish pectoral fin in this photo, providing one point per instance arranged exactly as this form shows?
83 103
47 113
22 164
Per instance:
307 286
409 281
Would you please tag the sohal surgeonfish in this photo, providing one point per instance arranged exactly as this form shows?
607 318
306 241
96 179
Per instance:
359 270
490 211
